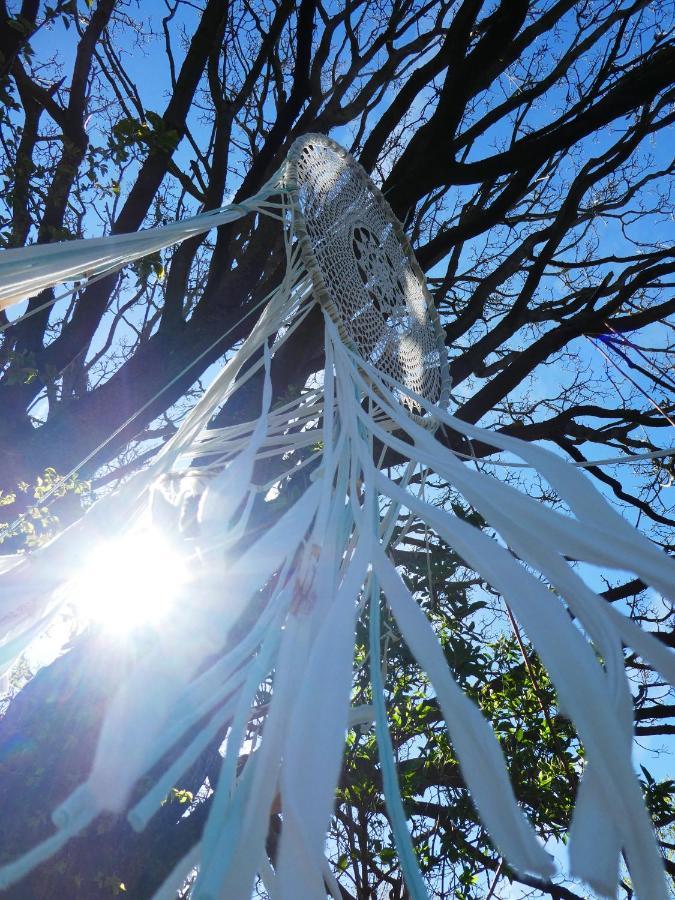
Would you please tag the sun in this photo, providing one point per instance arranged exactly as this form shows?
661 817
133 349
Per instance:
130 581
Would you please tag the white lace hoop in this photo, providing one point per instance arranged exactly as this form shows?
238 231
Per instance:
364 271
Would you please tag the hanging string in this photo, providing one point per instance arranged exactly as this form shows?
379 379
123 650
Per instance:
632 381
80 286
664 379
609 461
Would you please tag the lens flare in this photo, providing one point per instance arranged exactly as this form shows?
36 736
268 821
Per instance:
130 581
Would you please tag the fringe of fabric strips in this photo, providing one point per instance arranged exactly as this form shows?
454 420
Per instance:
324 563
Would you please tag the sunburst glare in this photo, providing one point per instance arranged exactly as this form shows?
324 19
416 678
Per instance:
129 581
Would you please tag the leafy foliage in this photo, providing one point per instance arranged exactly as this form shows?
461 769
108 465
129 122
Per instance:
34 522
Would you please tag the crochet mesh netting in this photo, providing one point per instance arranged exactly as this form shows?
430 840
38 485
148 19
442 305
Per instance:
364 269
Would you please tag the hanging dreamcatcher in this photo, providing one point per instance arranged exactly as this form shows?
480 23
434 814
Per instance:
294 590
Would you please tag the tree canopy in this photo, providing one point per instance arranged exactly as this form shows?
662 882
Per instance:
526 145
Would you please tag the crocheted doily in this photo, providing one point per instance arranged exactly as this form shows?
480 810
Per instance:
364 270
